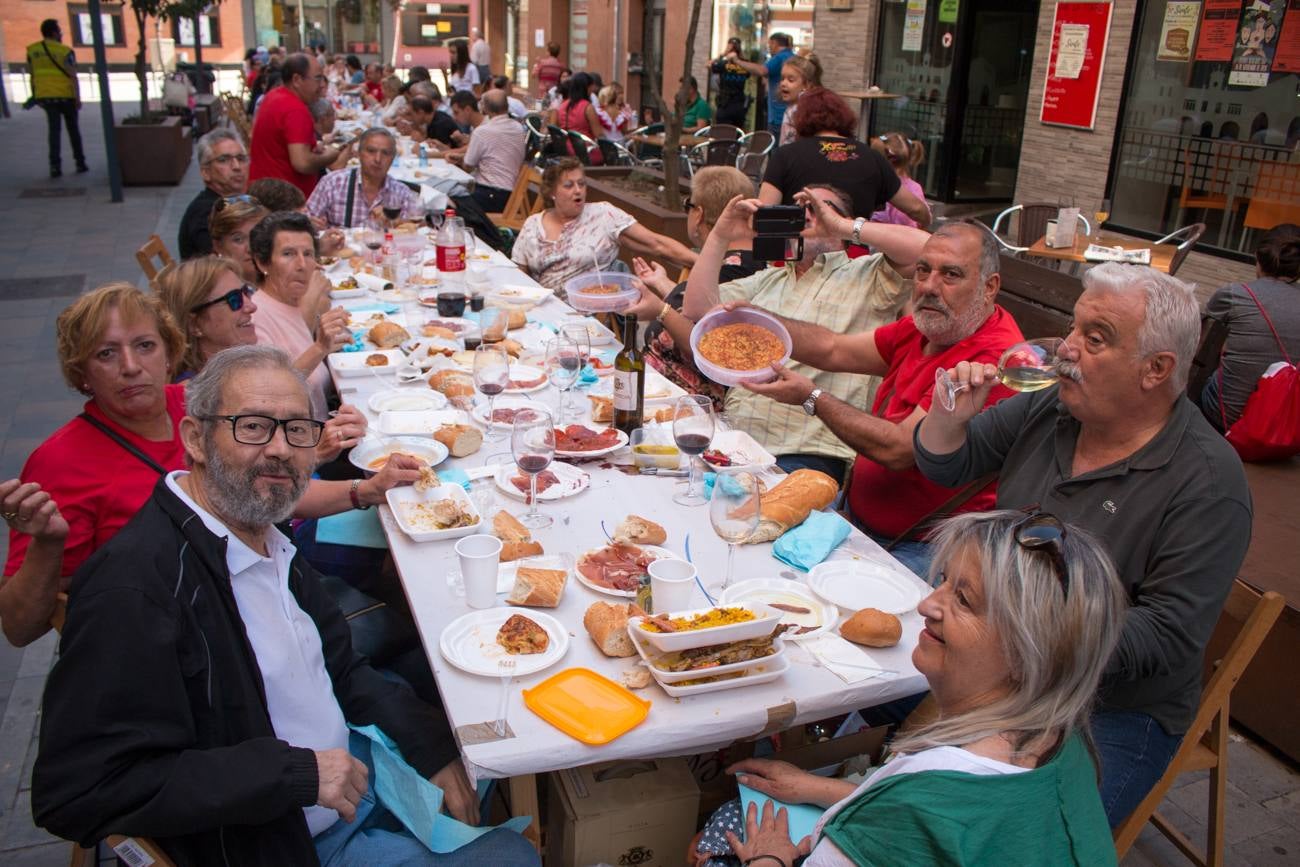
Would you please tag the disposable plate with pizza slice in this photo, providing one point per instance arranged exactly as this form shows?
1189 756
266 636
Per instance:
581 441
553 483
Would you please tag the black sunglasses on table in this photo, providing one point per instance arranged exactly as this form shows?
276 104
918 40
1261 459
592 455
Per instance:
1045 532
234 299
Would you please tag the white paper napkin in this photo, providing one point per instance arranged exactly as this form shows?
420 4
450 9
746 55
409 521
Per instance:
847 660
372 282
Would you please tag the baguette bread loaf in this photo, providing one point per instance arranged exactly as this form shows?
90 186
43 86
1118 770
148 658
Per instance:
602 408
636 530
606 623
538 588
460 439
788 504
452 383
873 628
516 541
511 551
387 334
512 347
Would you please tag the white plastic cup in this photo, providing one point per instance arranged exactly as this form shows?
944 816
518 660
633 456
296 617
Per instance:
480 557
672 584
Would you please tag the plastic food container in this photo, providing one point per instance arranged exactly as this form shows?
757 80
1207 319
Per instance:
764 621
580 298
739 316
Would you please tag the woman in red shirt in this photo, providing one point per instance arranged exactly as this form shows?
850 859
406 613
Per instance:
578 113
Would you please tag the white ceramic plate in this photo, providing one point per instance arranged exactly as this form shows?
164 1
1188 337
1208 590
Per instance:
518 292
418 424
372 448
595 453
652 657
522 372
571 481
743 449
780 591
470 642
406 400
659 554
341 294
764 622
856 584
507 402
405 501
596 331
349 364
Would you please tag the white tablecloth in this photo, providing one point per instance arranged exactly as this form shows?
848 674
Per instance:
683 726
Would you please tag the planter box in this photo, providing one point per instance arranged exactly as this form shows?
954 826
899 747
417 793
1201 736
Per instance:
153 154
653 216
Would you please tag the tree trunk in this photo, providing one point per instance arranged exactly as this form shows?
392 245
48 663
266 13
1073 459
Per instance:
200 81
140 68
673 118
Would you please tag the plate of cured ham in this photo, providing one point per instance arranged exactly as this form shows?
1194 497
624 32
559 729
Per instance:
505 410
580 441
525 379
617 568
553 483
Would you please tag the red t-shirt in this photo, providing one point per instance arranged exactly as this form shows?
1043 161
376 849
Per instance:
376 89
282 119
97 484
886 501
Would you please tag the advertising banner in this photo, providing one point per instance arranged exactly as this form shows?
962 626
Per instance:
1080 33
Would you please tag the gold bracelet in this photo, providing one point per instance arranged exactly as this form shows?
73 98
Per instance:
663 311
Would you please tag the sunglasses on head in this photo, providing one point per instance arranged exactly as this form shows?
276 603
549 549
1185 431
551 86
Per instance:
234 299
245 198
1045 532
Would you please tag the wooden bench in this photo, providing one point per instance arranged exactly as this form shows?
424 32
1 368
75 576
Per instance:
1041 299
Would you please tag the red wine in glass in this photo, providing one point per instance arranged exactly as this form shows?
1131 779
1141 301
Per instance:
692 444
392 213
491 389
451 304
533 464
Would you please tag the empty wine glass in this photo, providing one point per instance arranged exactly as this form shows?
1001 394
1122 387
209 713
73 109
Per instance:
1030 365
532 441
493 322
692 431
734 511
563 366
491 376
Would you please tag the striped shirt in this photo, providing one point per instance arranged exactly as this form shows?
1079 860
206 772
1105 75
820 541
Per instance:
330 198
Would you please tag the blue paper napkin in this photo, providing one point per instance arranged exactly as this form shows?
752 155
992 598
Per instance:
353 527
453 476
376 307
802 818
358 343
806 545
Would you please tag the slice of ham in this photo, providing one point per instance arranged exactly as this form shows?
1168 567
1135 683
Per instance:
618 567
545 479
580 438
527 383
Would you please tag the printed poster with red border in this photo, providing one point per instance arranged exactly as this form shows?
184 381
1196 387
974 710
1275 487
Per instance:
1080 34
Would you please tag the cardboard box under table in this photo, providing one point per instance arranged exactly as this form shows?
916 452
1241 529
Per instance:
631 812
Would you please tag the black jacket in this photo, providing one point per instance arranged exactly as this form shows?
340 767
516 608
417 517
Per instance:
155 722
193 238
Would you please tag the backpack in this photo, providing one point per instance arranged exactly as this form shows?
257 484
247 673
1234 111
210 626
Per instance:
1269 426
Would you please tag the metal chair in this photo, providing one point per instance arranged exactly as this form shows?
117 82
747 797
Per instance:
754 149
1186 239
582 146
1032 224
718 132
615 154
645 151
537 137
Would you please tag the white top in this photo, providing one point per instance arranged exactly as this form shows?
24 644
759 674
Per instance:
299 693
827 854
517 109
593 233
395 108
480 52
466 81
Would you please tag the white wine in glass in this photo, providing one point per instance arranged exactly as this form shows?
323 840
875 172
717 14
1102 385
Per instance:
1027 366
734 512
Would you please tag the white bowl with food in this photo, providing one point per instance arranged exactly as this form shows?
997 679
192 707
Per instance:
732 347
801 610
701 627
764 671
380 362
372 453
418 424
441 512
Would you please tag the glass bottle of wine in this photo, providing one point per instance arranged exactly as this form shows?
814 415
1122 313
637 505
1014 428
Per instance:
629 380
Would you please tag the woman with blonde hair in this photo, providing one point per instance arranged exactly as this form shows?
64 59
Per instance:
798 74
616 116
231 223
213 304
905 155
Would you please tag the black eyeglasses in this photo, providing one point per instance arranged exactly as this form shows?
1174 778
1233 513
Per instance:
1045 532
688 205
234 299
258 430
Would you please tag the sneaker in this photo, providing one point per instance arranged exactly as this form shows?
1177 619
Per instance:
82 169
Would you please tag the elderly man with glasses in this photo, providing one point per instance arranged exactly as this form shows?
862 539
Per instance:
223 165
1116 448
353 196
220 676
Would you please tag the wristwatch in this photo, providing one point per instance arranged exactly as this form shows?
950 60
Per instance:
810 403
857 230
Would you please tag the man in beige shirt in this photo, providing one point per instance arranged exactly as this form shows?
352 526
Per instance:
495 153
824 287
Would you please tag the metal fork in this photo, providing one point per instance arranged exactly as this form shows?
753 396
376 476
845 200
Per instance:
505 670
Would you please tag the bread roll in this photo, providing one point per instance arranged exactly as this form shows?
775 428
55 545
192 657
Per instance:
452 383
512 347
662 414
376 359
872 627
507 528
602 408
538 588
636 530
438 331
460 439
518 317
606 623
637 677
387 334
788 504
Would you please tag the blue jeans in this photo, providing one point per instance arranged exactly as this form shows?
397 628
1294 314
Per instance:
914 555
1134 751
833 467
376 837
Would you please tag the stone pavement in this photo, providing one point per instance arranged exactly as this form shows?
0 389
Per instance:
51 248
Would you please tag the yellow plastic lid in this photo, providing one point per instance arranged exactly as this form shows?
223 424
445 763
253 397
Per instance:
586 706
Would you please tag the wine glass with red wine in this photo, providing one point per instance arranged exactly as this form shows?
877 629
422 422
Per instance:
491 376
373 237
692 431
532 441
392 208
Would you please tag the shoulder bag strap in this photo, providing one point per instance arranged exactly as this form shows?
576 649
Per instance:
352 195
946 508
1269 323
56 63
123 442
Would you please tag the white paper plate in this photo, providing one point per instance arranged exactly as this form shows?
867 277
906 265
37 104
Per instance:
856 584
571 481
507 402
526 372
470 642
425 448
659 554
350 364
402 498
406 400
418 424
341 294
509 571
595 453
518 292
596 331
743 449
781 591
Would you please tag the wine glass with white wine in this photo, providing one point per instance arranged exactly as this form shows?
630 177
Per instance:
1027 366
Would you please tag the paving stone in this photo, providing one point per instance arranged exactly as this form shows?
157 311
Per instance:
55 854
1245 818
20 831
1257 772
1287 807
16 729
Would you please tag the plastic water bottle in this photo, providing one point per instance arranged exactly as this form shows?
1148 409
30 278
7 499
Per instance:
388 254
424 155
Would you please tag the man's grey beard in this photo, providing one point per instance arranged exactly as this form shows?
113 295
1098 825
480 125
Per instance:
953 328
1069 370
236 500
814 247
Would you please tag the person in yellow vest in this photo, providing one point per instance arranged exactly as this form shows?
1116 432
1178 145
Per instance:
54 87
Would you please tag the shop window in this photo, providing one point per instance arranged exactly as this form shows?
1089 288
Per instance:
209 29
446 21
80 30
1228 158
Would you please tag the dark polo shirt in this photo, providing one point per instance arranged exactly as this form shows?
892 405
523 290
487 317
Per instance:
1174 516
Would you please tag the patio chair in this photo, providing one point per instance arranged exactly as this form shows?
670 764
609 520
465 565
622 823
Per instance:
643 151
616 154
719 132
1186 239
537 138
524 201
154 248
1205 746
582 146
1032 224
557 143
754 149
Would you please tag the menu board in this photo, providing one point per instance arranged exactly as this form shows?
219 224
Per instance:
913 25
1287 56
1218 30
1178 31
1080 33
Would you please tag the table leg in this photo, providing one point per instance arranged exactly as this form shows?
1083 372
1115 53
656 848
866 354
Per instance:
523 802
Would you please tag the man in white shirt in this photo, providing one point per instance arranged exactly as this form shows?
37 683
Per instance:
517 109
495 153
206 680
480 54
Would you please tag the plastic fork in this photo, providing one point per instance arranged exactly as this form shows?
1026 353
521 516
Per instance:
505 670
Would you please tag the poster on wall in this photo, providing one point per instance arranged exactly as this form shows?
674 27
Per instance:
914 25
948 11
1252 53
1218 30
1286 58
1178 33
1080 33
